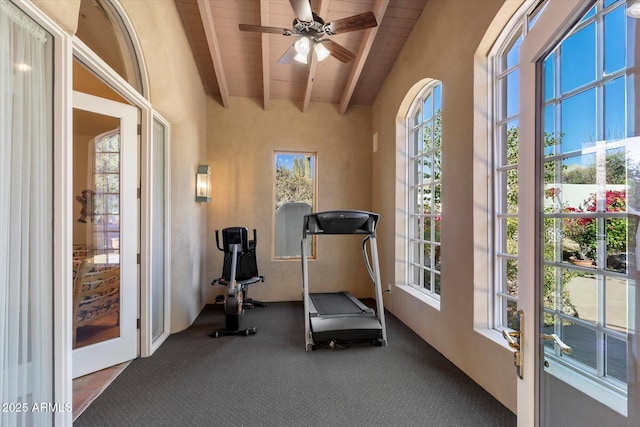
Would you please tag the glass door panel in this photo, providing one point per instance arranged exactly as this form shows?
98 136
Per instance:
96 228
588 181
105 286
158 224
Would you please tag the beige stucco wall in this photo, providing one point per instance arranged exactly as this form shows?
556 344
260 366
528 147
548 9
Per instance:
242 140
442 47
63 12
176 92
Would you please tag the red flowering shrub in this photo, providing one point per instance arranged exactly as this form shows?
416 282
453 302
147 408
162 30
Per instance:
583 230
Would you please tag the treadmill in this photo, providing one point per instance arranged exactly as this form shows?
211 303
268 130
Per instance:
338 318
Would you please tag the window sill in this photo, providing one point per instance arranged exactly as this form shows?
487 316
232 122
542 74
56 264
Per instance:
416 293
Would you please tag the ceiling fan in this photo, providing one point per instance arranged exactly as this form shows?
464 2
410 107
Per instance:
310 28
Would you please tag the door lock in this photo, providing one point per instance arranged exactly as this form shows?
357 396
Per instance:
515 339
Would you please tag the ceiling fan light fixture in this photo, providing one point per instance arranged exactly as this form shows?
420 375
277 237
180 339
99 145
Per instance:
321 52
633 10
302 47
301 58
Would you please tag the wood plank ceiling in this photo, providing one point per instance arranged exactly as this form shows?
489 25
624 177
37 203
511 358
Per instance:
234 63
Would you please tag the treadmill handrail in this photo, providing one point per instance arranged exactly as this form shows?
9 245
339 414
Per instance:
366 259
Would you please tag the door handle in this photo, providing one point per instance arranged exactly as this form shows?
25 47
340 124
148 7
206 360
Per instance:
565 349
509 336
515 339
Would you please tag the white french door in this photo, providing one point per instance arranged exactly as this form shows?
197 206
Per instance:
579 169
105 232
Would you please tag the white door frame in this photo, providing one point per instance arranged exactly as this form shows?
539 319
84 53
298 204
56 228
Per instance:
551 26
101 69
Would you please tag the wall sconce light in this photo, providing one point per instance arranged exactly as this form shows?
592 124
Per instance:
203 184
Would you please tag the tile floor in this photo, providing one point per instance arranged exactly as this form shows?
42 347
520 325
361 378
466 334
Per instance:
88 387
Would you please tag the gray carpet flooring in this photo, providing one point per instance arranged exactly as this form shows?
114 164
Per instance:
268 379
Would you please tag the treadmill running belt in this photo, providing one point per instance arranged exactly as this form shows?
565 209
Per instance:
334 303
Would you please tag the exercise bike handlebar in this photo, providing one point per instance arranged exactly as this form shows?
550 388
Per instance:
218 241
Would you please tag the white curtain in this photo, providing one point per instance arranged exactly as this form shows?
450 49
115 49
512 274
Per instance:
26 218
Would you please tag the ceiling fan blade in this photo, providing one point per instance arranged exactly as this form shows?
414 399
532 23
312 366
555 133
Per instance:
352 23
337 51
261 29
287 57
302 9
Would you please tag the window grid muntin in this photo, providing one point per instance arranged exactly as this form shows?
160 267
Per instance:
501 167
600 147
107 144
423 273
515 33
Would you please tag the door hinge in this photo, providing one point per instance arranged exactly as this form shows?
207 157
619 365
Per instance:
139 194
139 129
138 323
138 257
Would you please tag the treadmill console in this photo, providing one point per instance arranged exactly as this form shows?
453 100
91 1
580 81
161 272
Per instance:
340 222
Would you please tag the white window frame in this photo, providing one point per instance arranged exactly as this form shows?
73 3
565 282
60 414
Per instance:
501 297
416 242
314 177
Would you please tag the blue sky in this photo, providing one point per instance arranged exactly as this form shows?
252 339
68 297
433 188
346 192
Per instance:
578 63
286 160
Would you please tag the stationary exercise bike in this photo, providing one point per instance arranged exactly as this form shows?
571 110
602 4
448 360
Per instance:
239 270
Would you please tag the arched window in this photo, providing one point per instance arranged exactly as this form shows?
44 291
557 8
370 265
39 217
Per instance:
103 28
424 189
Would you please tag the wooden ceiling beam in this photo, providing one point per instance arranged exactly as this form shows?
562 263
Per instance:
322 11
264 21
206 15
379 9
